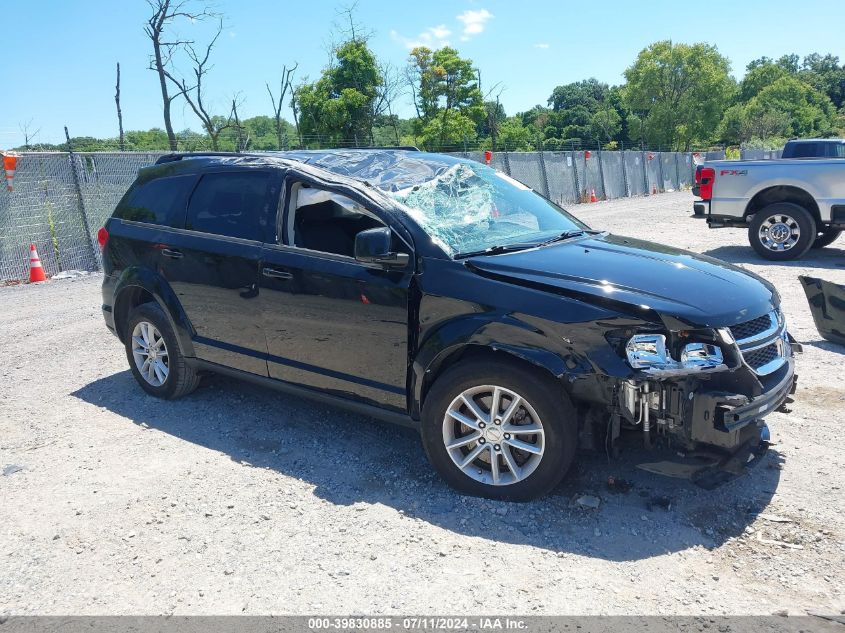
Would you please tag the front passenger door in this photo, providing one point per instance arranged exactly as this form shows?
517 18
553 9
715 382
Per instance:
331 322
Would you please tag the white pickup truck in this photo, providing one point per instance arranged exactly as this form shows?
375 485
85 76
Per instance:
789 205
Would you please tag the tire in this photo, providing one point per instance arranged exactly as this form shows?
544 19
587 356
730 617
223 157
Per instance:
170 377
826 237
522 475
782 231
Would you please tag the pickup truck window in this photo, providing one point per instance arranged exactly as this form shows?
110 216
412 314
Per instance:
472 207
233 204
161 201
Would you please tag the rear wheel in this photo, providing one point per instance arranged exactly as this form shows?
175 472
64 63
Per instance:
154 355
782 231
498 430
826 237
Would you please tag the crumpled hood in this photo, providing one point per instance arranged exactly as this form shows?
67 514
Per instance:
676 284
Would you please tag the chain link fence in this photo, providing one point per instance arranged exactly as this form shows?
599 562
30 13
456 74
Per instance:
60 200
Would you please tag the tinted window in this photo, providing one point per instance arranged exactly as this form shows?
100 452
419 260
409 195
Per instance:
804 150
837 150
233 204
160 201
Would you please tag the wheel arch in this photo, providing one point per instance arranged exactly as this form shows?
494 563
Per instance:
783 193
427 368
139 286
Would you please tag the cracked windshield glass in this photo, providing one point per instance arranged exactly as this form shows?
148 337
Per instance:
472 207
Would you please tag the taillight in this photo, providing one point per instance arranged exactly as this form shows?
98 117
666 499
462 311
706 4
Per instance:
102 238
704 177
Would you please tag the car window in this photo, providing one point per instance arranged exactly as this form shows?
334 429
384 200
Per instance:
160 201
326 221
470 207
838 150
804 150
234 204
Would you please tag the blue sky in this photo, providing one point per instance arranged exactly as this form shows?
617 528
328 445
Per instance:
60 54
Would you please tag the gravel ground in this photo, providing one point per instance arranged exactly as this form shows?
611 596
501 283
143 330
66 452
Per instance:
238 500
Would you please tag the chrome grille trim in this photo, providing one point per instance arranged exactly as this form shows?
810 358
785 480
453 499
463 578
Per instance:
764 348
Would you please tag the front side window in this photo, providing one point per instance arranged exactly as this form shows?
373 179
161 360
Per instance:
234 204
160 201
326 221
470 207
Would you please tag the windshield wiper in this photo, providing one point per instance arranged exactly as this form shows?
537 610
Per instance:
567 235
496 250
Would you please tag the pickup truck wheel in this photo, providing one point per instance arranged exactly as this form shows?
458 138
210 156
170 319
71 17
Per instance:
497 430
782 231
826 237
154 355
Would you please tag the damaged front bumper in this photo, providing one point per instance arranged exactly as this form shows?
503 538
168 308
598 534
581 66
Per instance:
719 410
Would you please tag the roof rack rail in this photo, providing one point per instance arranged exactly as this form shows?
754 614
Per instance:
169 158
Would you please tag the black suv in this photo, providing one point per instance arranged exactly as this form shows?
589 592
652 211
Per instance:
438 293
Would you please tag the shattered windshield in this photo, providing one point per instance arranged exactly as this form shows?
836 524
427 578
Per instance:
471 207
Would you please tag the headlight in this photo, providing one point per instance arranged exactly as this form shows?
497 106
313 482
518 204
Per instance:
648 352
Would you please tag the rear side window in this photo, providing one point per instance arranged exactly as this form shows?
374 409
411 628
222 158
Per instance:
160 201
804 150
234 204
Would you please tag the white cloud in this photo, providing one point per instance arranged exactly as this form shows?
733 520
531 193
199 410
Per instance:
541 45
474 22
433 37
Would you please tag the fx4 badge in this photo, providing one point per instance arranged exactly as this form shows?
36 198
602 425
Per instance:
733 172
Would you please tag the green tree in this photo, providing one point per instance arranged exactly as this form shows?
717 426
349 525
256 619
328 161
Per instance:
339 107
680 91
446 95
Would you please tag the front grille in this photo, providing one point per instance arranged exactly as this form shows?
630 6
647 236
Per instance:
752 328
763 356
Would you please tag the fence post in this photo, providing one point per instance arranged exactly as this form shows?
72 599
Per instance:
577 181
625 187
80 199
677 173
543 172
507 163
601 174
661 188
645 173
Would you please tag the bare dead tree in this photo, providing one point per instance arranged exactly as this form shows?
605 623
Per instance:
121 138
164 12
242 141
285 84
193 94
391 88
28 133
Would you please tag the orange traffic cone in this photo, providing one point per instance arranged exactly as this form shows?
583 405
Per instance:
10 162
593 195
36 270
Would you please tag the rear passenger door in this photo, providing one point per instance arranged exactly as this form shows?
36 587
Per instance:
212 265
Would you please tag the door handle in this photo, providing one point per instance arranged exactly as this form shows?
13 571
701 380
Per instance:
171 253
276 274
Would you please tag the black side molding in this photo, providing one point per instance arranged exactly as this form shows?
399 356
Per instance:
361 408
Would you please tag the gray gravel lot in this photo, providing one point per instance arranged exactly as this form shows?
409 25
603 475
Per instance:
238 500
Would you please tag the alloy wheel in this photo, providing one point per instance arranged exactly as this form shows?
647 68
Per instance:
150 353
779 232
493 435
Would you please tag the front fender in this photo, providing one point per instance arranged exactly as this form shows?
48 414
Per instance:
137 277
508 335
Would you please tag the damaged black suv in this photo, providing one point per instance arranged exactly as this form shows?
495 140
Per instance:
436 292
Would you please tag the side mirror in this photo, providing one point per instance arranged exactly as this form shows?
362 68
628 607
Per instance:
373 247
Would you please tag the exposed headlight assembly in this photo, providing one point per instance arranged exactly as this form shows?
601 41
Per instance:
648 352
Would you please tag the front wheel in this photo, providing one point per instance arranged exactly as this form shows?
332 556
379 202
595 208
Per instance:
826 237
498 430
782 231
